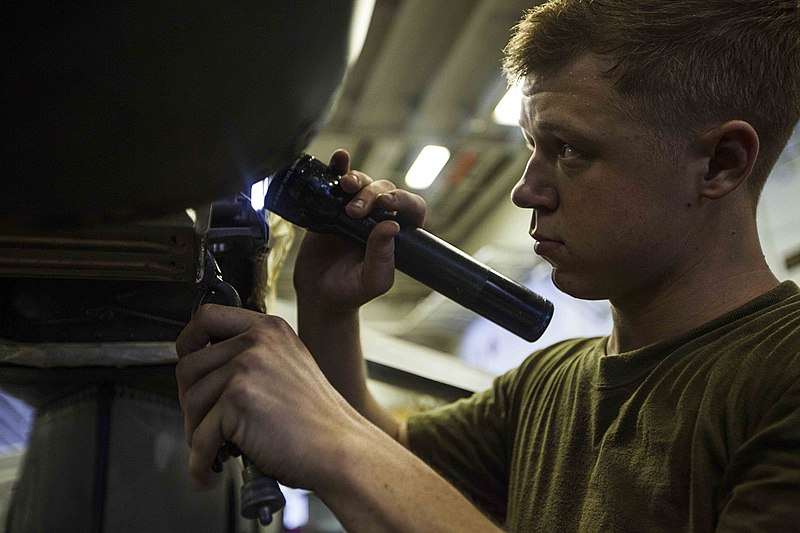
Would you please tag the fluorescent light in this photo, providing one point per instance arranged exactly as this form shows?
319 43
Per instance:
508 109
429 163
359 26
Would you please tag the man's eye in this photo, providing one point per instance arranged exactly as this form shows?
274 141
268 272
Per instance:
567 151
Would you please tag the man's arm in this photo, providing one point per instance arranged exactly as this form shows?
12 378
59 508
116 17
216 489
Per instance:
328 338
333 279
259 387
762 482
396 491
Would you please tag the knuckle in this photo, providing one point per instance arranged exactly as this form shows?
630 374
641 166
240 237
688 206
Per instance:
384 284
267 332
239 395
239 364
361 178
250 361
257 335
273 324
386 186
268 320
279 323
204 309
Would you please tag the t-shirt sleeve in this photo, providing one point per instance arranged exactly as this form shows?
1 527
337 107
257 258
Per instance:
764 473
467 442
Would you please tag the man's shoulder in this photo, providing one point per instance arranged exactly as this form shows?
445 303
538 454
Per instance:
767 325
751 360
773 328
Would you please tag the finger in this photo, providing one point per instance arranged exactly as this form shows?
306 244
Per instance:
192 367
213 322
199 398
203 375
340 162
354 181
221 424
409 207
363 202
378 270
206 443
221 458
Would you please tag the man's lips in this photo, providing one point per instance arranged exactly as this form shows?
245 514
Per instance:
545 247
544 244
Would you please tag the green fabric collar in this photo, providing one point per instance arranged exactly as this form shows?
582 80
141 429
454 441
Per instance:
629 367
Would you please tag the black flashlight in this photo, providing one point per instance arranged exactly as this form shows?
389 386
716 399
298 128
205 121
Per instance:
307 193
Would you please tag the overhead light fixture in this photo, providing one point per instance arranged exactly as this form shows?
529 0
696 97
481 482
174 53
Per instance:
509 108
430 161
359 27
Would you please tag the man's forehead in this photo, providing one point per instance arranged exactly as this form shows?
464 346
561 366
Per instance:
576 92
547 108
585 69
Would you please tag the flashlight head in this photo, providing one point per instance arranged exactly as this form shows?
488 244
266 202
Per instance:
307 194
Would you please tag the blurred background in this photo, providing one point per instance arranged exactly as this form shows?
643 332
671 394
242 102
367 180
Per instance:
429 75
428 83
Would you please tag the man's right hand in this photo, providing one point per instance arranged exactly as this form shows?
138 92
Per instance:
333 276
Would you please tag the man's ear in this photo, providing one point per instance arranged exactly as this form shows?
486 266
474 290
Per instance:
731 149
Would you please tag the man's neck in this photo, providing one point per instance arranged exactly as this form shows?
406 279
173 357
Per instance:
695 298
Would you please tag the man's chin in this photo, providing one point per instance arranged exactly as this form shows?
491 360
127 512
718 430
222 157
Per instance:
579 287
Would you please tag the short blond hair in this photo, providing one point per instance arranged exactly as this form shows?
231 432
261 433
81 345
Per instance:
680 65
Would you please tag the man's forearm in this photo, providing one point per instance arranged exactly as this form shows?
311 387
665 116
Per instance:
380 486
335 343
373 483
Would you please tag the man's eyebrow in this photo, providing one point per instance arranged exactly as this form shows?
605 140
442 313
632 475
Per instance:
560 128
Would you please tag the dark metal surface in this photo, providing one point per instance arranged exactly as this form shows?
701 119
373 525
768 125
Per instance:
121 110
163 249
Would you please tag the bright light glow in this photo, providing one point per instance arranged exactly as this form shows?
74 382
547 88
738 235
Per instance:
426 168
508 109
257 193
359 26
295 514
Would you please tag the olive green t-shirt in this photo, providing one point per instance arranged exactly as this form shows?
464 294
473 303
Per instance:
697 433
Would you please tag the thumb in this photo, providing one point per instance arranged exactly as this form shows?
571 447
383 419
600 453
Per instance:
378 273
340 162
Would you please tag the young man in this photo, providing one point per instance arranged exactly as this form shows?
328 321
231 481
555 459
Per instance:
653 125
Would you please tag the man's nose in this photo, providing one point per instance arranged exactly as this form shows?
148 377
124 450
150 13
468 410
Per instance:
533 191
